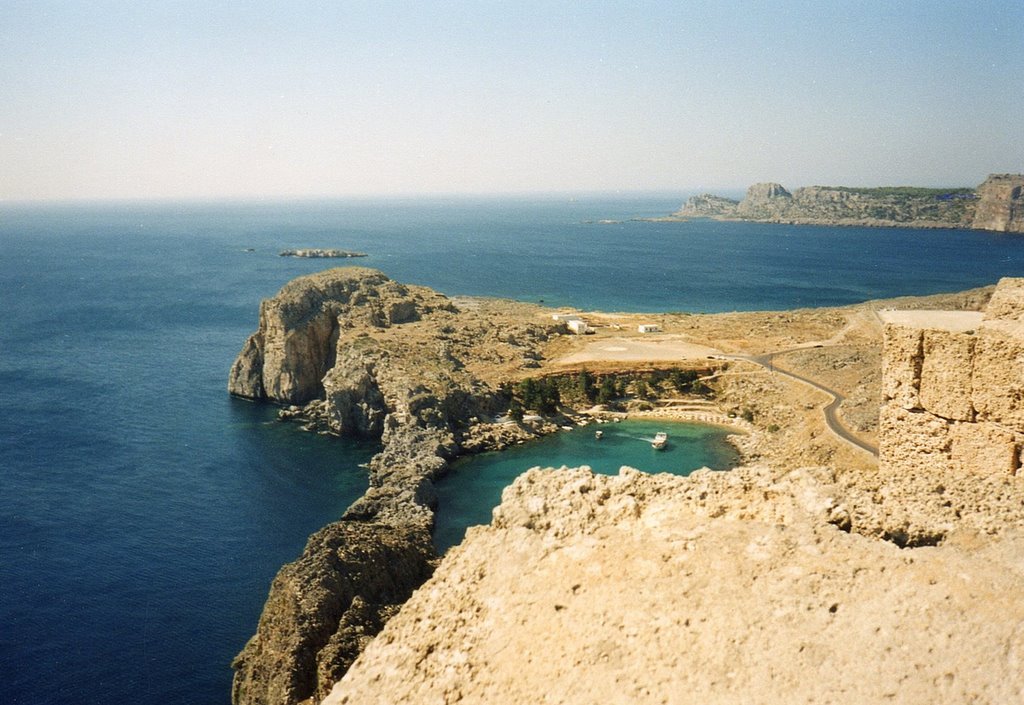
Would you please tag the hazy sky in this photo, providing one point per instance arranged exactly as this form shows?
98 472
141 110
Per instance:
224 99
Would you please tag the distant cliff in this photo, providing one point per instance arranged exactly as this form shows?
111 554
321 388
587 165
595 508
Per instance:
997 204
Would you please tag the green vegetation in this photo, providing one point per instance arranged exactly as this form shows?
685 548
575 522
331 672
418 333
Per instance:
906 191
545 394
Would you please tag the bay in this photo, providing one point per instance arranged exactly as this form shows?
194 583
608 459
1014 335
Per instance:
143 512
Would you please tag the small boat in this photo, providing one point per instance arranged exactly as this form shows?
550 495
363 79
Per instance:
598 434
660 441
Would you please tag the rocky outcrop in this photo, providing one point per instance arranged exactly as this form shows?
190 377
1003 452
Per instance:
764 198
719 587
997 204
954 399
326 606
286 359
1001 204
899 584
367 356
707 205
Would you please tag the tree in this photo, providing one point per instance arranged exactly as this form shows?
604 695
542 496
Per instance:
607 391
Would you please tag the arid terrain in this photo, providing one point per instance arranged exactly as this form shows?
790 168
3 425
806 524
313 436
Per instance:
813 555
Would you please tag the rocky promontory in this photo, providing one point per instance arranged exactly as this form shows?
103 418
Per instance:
352 352
900 583
901 578
997 204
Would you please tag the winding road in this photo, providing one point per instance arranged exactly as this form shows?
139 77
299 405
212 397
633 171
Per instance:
830 410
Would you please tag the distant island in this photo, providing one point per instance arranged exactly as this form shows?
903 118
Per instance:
343 254
997 204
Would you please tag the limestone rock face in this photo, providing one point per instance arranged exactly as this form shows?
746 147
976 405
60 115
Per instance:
326 606
369 357
1001 204
707 205
294 347
716 588
764 200
998 204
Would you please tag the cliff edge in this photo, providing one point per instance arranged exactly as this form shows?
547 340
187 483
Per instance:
349 351
997 204
808 585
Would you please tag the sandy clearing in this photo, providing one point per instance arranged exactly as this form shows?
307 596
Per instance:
664 348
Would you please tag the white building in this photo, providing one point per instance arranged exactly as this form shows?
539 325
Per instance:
647 328
577 326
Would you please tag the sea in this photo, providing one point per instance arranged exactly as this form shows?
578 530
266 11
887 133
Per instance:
144 512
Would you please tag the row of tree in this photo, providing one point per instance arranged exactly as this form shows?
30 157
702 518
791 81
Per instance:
545 394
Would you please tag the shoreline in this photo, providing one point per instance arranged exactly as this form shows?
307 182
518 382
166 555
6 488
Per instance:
433 380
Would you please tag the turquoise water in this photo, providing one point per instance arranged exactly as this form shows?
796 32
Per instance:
143 512
473 487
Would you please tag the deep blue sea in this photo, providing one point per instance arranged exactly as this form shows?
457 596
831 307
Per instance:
143 512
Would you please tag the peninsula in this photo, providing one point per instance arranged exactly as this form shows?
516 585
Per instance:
895 576
997 204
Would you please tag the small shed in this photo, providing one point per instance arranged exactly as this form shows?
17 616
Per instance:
648 328
577 326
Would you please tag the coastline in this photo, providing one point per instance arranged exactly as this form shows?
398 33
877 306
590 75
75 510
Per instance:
433 381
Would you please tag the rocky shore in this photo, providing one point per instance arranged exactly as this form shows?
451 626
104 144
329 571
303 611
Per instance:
763 583
349 351
997 204
355 353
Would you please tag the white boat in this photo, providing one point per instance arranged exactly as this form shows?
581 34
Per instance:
660 441
598 434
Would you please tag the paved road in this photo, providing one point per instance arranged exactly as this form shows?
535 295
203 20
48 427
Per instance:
831 417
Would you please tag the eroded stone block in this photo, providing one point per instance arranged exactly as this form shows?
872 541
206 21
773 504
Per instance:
1007 301
901 365
945 384
983 448
912 441
997 385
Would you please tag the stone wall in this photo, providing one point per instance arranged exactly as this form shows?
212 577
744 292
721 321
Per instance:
953 400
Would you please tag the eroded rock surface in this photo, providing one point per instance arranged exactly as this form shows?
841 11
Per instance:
720 587
326 606
997 204
367 356
1001 204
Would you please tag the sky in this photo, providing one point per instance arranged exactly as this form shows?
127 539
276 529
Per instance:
185 100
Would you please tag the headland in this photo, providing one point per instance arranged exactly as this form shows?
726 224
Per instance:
997 205
350 351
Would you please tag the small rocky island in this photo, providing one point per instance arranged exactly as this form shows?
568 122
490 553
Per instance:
997 204
322 253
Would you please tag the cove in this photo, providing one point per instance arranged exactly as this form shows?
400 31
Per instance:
473 485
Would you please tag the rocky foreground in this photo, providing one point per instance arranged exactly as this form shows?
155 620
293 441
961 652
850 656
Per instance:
886 574
732 587
997 204
759 584
353 353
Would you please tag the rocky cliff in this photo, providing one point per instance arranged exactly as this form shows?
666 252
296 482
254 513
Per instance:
997 204
901 584
1001 204
367 356
742 586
